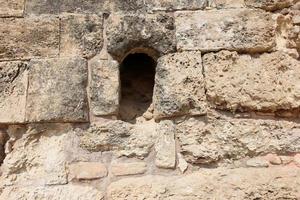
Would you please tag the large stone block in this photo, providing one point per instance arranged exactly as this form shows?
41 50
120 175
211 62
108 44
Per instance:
227 138
13 91
270 5
57 90
25 38
152 33
179 85
81 35
268 82
243 183
37 7
105 87
11 8
231 29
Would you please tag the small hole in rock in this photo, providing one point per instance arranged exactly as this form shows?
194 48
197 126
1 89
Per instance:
137 72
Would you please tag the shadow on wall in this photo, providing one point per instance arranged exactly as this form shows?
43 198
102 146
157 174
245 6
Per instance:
137 73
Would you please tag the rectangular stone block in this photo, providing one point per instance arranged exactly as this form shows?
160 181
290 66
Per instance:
172 5
87 170
179 85
270 5
269 82
81 35
57 90
231 29
124 169
42 7
105 87
25 38
11 8
13 90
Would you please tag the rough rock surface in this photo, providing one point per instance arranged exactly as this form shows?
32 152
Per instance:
11 8
270 5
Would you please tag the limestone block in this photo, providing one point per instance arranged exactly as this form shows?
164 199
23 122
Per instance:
151 33
179 85
81 35
231 29
42 7
57 90
13 91
123 169
165 145
270 5
11 8
105 87
122 138
232 138
87 171
226 4
268 82
24 38
69 191
172 5
239 183
257 162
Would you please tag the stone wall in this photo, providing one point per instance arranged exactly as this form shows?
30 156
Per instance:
224 118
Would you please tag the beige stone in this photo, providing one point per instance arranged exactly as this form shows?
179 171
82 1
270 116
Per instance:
81 35
32 37
57 90
11 8
179 85
270 5
37 7
231 29
273 159
257 162
123 169
297 159
86 170
226 4
173 5
182 164
268 82
243 183
165 145
13 91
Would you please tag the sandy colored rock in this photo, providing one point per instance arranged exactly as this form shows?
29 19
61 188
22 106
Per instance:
86 171
232 138
165 145
297 159
11 8
81 35
105 86
270 5
220 4
57 90
123 169
273 159
225 183
38 7
173 5
228 89
242 30
153 34
179 85
257 162
182 164
13 91
25 38
70 192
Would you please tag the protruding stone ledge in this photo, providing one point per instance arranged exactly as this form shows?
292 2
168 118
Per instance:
232 29
11 8
26 38
57 90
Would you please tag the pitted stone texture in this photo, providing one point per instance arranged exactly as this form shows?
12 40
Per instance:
13 90
132 168
68 192
172 5
140 32
267 82
220 4
231 29
38 157
24 38
165 145
11 8
38 7
270 5
57 90
122 138
81 35
221 183
86 170
179 85
230 138
105 87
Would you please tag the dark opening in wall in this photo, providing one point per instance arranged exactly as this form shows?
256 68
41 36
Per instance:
137 73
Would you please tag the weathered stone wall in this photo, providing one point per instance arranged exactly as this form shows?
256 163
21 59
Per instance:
224 121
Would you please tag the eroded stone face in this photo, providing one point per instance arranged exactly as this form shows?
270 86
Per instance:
11 8
242 30
42 7
156 5
267 82
140 31
24 38
57 90
270 5
179 85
